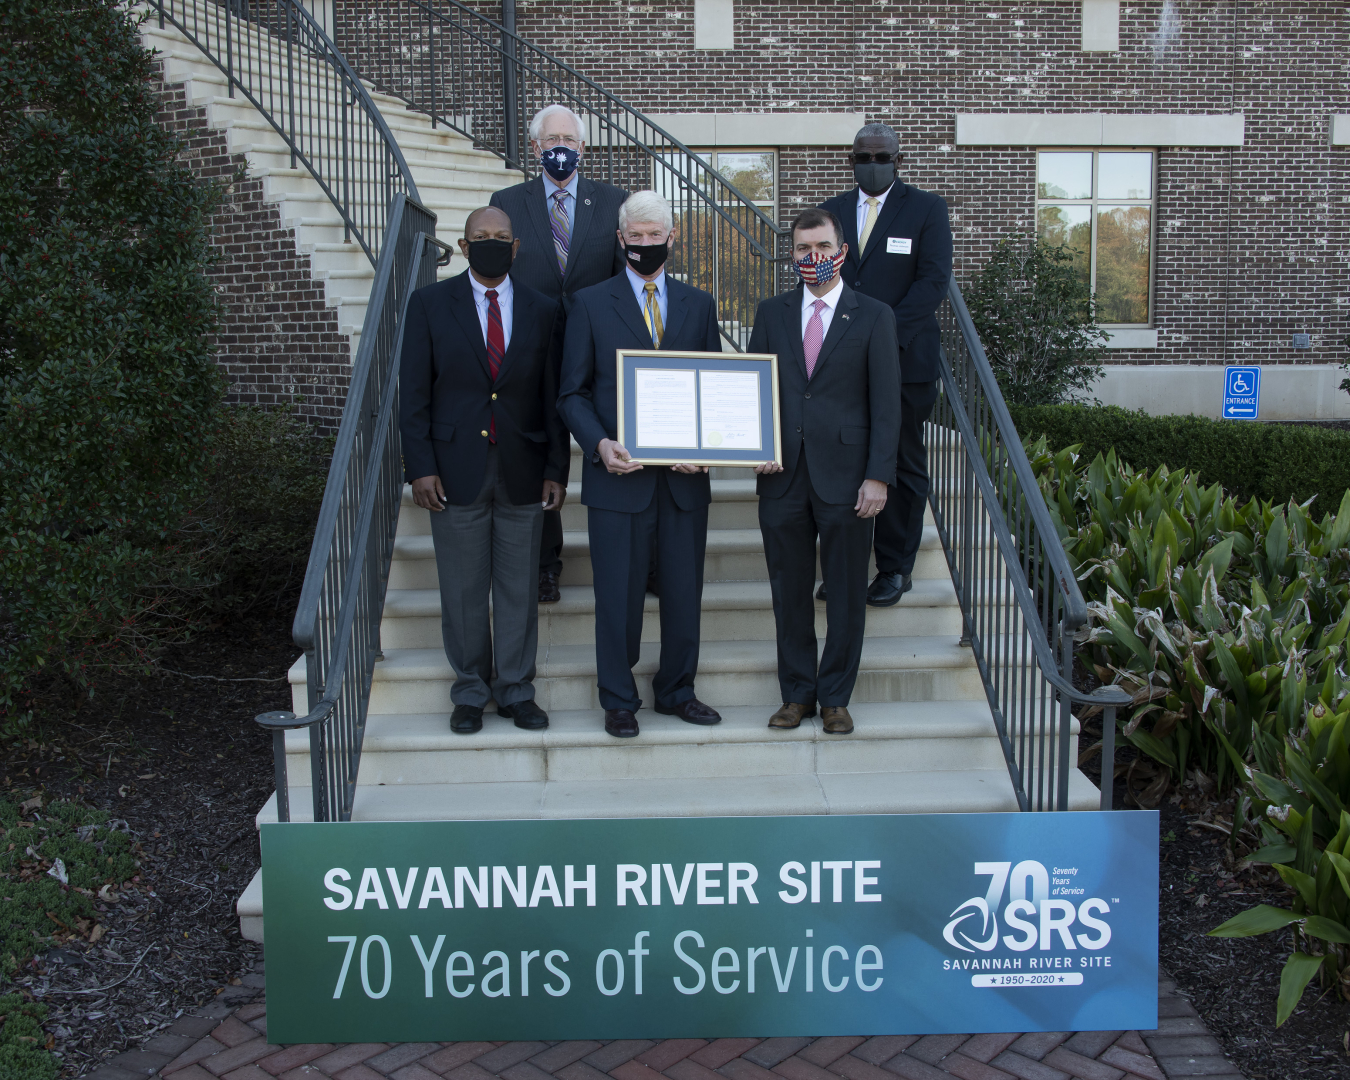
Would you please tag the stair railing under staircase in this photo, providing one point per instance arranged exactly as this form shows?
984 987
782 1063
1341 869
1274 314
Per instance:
1020 601
484 81
277 55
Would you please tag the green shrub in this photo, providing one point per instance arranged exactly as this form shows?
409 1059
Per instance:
1037 321
108 388
23 1043
1275 462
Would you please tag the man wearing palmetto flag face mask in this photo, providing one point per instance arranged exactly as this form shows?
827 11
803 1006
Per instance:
486 453
566 224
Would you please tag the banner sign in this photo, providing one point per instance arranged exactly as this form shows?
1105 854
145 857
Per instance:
750 926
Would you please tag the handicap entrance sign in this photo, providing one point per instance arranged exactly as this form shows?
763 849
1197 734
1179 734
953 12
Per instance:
1241 393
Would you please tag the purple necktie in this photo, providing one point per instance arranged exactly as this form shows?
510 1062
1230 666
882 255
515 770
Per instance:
814 337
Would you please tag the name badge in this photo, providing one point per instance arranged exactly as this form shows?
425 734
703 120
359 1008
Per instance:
898 245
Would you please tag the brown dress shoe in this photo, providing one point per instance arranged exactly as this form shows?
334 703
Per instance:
837 720
548 587
790 715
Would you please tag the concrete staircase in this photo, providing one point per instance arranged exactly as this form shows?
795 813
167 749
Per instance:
452 177
924 742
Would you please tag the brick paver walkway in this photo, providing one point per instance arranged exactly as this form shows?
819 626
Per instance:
224 1045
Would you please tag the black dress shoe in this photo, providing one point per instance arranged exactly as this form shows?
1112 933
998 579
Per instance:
820 593
548 587
526 714
466 719
886 589
692 711
620 723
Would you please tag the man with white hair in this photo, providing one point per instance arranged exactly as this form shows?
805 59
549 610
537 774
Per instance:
567 225
633 507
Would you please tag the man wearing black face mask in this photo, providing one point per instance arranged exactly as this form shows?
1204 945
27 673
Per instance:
566 224
899 252
633 508
486 453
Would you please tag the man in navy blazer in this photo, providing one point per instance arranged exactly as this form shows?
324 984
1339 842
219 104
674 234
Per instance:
567 226
839 409
900 252
485 452
633 507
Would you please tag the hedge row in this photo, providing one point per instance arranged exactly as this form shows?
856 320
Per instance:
1275 462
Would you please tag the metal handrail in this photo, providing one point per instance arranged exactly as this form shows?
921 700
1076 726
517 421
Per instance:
279 57
484 81
1020 601
337 621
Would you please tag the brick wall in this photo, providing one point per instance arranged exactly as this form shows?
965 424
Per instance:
278 340
1251 243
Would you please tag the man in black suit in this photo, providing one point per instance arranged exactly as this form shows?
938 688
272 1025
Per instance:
567 226
632 507
839 405
486 452
900 252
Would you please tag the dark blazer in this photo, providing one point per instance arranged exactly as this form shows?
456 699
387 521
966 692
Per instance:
594 254
846 419
604 318
912 284
447 396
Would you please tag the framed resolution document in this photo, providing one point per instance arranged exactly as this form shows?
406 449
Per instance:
699 408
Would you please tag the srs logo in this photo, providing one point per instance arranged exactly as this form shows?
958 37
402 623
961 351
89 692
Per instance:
1031 915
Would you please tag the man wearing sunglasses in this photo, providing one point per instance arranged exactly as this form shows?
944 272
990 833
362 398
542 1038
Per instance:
899 252
568 227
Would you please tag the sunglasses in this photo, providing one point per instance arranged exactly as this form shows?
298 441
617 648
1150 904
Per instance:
880 159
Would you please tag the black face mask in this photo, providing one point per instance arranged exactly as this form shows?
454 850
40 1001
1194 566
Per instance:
645 259
491 258
874 178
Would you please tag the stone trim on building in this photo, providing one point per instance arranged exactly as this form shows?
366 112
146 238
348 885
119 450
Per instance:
1099 129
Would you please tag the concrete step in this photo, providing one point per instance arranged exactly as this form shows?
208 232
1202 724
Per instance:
732 611
729 673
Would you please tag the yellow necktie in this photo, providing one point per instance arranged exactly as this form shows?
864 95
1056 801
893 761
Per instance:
651 311
868 222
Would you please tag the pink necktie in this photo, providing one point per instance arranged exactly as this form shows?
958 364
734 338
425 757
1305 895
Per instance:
814 337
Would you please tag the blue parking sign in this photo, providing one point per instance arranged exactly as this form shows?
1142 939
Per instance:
1241 393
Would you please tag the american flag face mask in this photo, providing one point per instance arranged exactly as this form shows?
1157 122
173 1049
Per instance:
817 269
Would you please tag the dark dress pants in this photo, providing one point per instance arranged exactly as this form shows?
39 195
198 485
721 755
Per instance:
790 525
551 542
900 523
621 552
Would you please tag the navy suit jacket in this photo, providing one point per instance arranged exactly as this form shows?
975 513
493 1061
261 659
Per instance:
594 253
846 417
603 319
912 284
447 396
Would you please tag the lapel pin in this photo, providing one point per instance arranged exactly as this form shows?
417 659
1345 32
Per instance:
844 317
588 202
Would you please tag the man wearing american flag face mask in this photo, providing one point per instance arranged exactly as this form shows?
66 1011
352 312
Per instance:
839 403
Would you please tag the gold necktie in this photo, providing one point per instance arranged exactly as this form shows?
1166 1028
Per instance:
651 311
868 222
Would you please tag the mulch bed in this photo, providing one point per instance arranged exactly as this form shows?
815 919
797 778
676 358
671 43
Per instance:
181 760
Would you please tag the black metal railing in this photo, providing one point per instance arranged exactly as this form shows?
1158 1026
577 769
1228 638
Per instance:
1020 601
337 622
278 56
478 78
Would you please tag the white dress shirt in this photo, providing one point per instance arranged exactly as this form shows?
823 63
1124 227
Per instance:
862 207
505 296
831 299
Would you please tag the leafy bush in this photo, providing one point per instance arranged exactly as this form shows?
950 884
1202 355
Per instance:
108 389
1277 462
34 903
1037 321
23 1043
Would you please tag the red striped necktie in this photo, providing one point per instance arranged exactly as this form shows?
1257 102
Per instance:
496 349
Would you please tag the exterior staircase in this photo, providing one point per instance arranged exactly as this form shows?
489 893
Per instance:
452 177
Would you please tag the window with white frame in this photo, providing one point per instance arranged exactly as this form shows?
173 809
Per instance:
1100 205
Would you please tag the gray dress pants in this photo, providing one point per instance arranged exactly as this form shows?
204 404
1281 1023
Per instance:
489 546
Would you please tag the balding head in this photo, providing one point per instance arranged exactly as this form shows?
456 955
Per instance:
488 223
